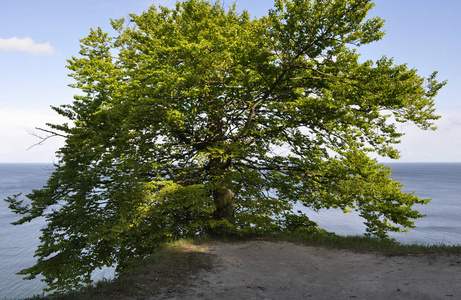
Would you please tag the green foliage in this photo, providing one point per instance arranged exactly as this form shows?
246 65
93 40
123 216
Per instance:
201 120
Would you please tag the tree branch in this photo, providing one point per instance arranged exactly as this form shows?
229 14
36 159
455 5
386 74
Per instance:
43 139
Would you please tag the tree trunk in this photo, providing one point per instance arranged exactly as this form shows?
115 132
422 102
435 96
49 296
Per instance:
225 206
223 196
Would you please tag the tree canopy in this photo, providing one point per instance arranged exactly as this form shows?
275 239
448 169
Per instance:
201 120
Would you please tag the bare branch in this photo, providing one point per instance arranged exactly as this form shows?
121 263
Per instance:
43 139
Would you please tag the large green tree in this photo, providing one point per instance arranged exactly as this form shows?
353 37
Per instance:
203 120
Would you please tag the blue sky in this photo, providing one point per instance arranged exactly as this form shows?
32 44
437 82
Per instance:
36 38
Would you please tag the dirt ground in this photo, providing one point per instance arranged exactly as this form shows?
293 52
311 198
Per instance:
283 270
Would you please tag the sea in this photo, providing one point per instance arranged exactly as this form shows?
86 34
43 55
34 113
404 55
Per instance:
439 181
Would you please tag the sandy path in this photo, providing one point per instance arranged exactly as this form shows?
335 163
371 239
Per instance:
282 270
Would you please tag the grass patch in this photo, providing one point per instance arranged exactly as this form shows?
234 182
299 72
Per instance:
363 244
166 270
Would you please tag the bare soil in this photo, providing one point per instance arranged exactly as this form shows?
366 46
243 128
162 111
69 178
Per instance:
282 270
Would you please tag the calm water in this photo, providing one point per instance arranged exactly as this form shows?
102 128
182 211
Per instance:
440 182
18 243
429 180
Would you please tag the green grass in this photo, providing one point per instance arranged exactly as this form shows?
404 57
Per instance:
167 269
364 244
171 266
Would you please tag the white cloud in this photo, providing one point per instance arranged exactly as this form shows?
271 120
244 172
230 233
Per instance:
15 133
25 45
442 145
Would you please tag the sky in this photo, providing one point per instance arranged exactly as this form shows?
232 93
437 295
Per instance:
37 37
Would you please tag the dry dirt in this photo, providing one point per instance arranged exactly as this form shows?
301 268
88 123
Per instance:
283 270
